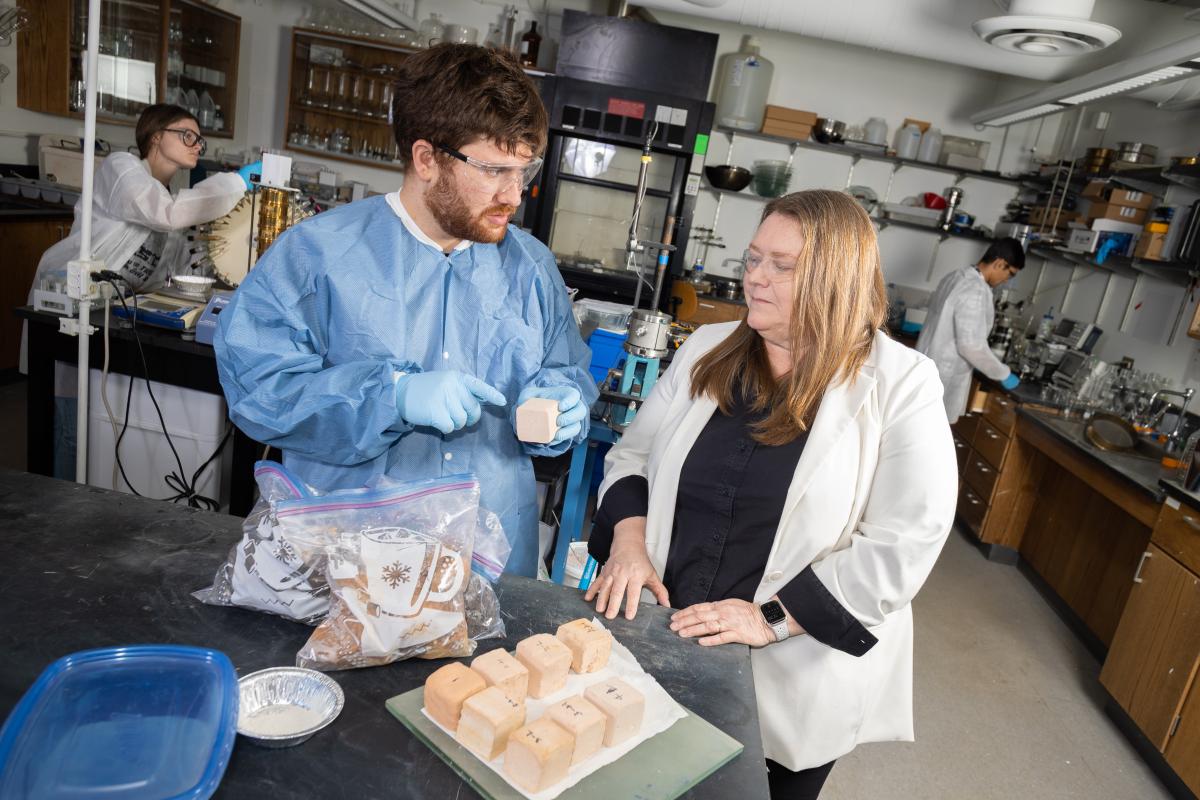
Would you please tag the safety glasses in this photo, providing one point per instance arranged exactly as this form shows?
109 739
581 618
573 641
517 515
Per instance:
774 270
497 177
189 138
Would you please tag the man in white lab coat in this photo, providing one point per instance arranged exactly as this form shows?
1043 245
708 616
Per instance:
960 317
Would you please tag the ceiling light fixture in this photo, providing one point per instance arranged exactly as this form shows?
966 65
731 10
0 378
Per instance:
1171 62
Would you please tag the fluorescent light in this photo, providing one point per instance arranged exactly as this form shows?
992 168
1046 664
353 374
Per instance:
1030 113
1169 63
383 13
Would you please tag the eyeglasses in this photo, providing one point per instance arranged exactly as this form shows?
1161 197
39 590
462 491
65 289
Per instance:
190 138
775 270
498 177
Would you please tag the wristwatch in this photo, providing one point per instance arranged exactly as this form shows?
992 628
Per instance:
776 617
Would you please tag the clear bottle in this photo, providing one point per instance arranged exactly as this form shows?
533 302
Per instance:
208 111
931 146
531 42
908 141
876 131
743 80
1046 326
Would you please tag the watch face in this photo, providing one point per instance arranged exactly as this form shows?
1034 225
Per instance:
773 612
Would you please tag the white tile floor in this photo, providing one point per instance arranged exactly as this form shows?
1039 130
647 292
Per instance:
1007 702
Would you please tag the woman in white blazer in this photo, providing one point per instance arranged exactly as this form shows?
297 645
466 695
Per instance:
789 484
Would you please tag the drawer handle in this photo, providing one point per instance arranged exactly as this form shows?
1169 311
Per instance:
1000 402
982 468
992 436
1192 522
1137 576
974 502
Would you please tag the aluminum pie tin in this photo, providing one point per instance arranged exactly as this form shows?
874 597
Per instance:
284 706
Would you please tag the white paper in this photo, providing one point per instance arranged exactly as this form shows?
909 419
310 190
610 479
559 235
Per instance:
661 713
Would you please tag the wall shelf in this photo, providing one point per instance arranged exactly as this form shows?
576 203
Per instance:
1174 272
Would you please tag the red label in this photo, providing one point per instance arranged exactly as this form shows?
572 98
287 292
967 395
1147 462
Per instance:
627 108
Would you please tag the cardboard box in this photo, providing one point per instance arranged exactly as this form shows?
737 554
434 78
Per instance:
920 123
799 133
791 116
1150 246
1043 215
1134 216
1115 195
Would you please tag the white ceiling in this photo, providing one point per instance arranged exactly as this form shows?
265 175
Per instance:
940 30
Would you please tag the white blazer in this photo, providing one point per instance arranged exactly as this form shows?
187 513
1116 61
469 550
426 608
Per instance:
869 507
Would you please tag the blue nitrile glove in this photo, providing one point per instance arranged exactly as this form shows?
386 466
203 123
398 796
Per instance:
1011 381
571 409
248 170
444 399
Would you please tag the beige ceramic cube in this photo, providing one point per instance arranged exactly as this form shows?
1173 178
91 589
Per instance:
538 755
589 644
447 689
488 719
548 661
537 420
500 669
582 720
622 706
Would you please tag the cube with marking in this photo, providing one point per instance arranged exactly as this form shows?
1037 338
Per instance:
447 689
622 706
548 661
537 420
582 720
538 755
589 644
500 669
488 719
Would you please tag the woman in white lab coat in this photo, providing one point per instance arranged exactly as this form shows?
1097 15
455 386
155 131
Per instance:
789 484
139 227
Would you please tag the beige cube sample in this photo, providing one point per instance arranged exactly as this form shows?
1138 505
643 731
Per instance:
537 420
582 720
488 719
447 689
622 706
500 669
548 661
538 755
589 644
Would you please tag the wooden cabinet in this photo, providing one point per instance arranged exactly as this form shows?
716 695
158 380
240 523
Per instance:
24 240
1152 664
150 51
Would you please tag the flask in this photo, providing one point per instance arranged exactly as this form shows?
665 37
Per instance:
743 79
531 42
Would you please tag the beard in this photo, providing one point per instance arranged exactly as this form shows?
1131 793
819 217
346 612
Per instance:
454 216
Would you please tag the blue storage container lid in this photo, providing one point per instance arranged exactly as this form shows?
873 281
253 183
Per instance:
123 723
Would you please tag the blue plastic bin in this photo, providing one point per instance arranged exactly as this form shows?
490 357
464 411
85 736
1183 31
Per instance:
608 350
123 723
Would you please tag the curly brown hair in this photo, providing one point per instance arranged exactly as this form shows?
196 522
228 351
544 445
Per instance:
453 94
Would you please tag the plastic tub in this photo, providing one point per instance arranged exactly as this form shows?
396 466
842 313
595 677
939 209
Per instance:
608 348
123 723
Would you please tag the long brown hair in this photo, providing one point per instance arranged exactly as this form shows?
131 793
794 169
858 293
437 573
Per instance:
838 303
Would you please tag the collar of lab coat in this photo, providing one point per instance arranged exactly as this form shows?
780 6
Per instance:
393 200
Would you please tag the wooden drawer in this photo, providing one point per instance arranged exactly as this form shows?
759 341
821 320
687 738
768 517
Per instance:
1001 411
981 477
963 450
965 427
990 443
971 509
1178 533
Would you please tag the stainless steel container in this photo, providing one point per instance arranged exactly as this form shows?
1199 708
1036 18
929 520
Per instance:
648 333
1137 152
284 706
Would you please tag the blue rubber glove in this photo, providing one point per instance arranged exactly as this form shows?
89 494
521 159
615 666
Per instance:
572 411
1011 381
447 400
248 170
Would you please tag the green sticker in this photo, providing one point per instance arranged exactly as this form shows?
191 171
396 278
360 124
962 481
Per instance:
701 147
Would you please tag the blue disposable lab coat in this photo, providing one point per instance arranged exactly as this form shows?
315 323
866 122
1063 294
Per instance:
309 347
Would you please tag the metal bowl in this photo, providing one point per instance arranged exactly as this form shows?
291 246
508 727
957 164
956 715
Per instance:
829 131
193 285
284 706
727 176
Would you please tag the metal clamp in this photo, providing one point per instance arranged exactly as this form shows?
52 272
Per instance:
1137 576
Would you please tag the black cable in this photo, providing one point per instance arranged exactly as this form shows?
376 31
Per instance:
184 489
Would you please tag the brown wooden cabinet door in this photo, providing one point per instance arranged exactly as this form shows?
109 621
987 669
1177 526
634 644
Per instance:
24 243
1153 657
1183 748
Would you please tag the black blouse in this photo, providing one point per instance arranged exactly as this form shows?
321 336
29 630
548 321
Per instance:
728 506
